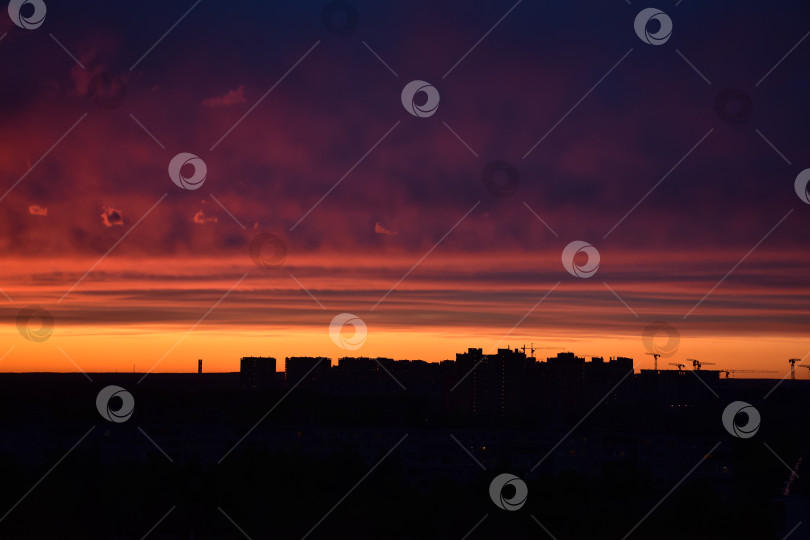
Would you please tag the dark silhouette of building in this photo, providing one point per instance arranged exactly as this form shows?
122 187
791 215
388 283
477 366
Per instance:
308 372
257 372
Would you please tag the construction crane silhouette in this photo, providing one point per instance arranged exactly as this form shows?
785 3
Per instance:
807 367
679 366
793 367
654 355
532 348
696 364
732 371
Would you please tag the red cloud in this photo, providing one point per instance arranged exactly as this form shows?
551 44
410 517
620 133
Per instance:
111 216
379 228
37 210
201 218
232 97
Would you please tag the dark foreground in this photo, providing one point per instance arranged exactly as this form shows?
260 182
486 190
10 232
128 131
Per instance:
203 456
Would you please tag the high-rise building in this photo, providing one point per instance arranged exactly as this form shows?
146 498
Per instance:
308 372
257 372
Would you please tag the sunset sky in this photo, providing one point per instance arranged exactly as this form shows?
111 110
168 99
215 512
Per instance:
78 177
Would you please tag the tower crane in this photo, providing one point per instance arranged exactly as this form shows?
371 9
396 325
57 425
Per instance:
654 355
727 371
793 367
808 367
679 366
532 348
696 364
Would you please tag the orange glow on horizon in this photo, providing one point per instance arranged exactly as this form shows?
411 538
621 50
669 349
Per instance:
146 312
99 350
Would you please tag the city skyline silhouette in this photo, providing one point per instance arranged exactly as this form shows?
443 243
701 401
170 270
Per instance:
663 362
